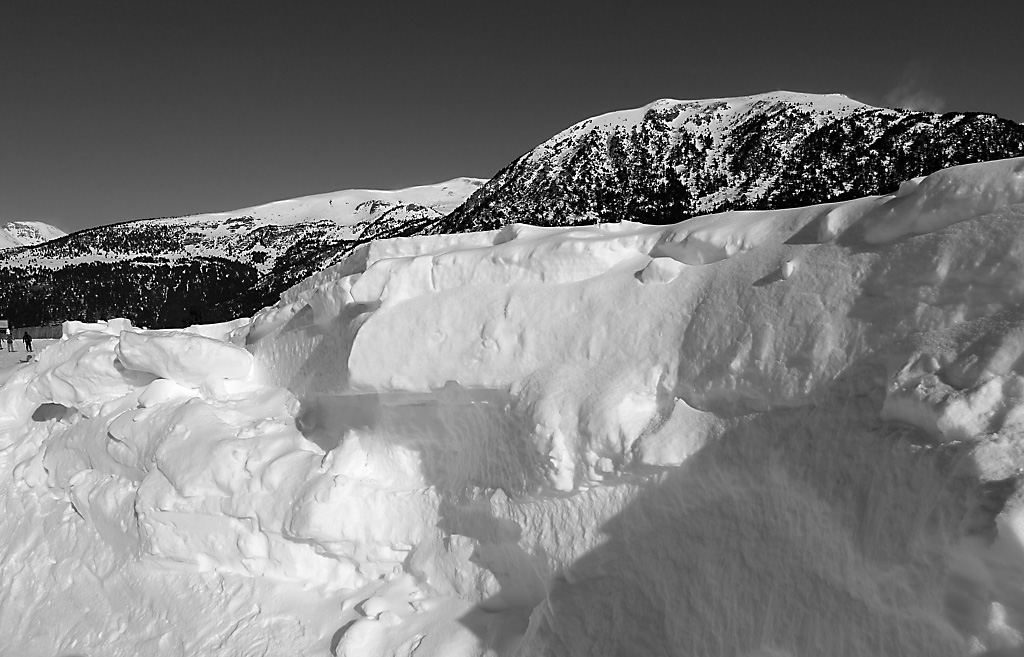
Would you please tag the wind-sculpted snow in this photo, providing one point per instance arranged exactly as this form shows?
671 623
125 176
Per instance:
790 432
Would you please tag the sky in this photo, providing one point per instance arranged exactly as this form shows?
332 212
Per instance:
112 111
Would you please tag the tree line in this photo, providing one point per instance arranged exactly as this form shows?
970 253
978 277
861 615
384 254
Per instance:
150 293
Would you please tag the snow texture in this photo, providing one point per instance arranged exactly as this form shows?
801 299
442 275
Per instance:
790 432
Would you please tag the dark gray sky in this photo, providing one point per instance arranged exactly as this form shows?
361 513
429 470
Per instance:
112 111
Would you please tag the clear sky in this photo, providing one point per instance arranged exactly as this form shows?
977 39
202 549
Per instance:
112 111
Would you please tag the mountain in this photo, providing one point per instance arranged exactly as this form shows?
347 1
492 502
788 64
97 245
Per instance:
658 164
209 267
14 234
674 159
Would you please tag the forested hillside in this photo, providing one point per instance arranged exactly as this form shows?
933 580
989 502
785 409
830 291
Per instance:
676 159
155 294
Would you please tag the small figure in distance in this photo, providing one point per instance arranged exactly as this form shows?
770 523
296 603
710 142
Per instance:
10 340
28 341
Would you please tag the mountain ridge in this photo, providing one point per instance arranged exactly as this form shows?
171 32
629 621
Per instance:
16 234
660 163
673 159
201 267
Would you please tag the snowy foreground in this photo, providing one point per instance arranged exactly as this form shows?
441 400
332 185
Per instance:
783 433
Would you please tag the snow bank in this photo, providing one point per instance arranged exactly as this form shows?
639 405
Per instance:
769 433
925 205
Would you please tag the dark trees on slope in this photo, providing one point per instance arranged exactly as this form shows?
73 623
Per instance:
657 172
150 293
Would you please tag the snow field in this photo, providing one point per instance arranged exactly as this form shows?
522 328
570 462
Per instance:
770 433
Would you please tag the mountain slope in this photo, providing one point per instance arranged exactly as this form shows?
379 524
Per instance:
657 164
208 267
14 234
675 159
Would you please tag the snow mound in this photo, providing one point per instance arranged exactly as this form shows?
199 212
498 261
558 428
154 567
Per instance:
786 432
924 205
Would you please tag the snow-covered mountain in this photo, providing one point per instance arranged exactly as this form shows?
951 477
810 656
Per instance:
660 163
674 159
27 233
171 271
261 235
757 434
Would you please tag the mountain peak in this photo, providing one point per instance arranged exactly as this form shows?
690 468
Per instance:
673 159
729 106
15 234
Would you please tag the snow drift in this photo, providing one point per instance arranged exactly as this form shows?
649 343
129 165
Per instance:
792 432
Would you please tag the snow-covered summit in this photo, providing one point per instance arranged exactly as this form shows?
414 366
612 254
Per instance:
780 432
724 110
27 233
351 206
672 159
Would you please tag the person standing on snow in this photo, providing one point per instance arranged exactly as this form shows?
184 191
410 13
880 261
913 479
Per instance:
28 341
10 340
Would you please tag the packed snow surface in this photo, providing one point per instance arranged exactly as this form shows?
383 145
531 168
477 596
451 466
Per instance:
793 432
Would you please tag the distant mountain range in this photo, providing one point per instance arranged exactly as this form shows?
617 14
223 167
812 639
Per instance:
207 267
27 233
661 163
